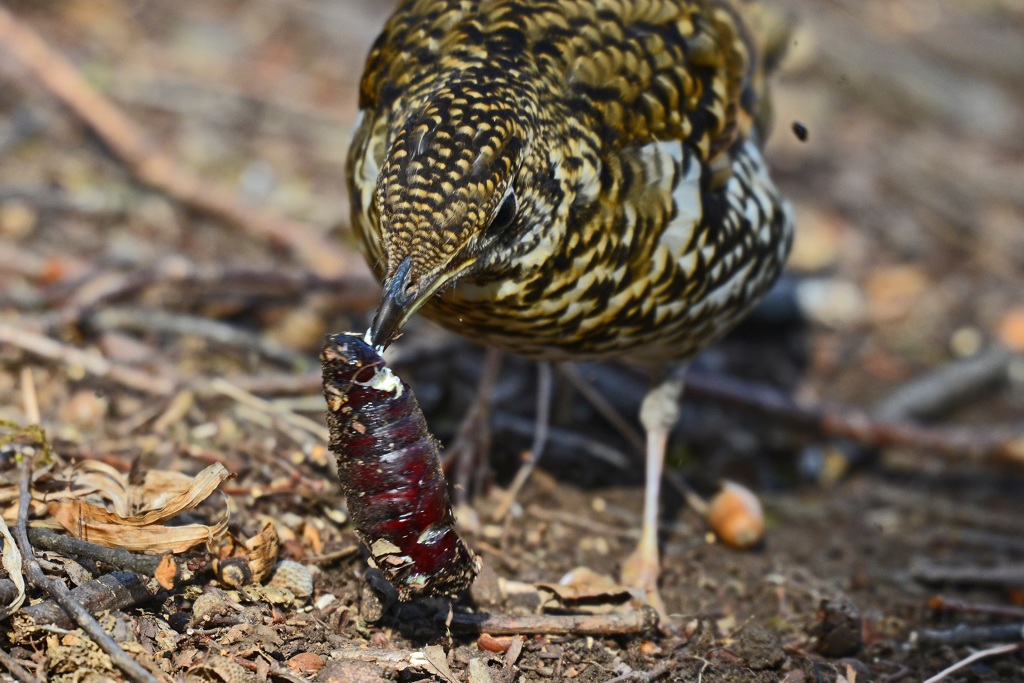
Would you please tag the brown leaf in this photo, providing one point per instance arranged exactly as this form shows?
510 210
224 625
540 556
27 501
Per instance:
164 495
515 648
167 571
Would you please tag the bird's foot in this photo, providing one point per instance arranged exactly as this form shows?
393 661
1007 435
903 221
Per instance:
640 574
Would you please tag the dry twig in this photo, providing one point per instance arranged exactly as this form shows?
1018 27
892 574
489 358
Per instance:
989 443
963 634
944 604
1008 575
17 670
967 661
92 363
117 590
618 623
138 563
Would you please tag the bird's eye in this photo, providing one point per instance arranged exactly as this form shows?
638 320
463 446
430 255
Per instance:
506 212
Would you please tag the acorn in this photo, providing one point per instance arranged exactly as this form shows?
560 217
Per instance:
736 516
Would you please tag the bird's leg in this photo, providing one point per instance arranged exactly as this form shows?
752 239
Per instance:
472 440
540 437
658 414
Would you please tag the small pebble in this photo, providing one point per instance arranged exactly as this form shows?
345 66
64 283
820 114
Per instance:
839 628
306 663
736 516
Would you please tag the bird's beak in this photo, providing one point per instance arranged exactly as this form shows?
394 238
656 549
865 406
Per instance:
401 299
397 303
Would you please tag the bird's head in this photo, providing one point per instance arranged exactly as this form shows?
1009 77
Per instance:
450 194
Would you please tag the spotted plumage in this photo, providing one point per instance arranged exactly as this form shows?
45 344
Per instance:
616 140
573 180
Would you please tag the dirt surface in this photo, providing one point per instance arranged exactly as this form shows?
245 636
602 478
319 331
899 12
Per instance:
909 262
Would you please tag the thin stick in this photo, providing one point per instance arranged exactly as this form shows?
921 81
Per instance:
93 363
120 558
991 652
225 388
29 398
157 169
17 670
1007 575
619 623
603 406
993 444
476 422
973 635
944 604
155 320
334 556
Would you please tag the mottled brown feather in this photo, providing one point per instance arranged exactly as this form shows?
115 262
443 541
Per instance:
629 132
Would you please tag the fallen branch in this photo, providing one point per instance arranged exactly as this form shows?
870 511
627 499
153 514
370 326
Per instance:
19 672
617 623
92 363
973 635
137 563
935 393
157 169
117 590
1007 575
57 590
985 443
943 604
353 292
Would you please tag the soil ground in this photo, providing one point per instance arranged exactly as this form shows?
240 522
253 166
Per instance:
910 253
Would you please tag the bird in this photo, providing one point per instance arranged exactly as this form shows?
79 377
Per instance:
574 180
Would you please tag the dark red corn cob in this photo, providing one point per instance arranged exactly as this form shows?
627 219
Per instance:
391 473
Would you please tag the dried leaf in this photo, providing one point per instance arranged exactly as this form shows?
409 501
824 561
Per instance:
10 559
156 538
166 572
515 648
262 551
166 494
479 672
437 663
